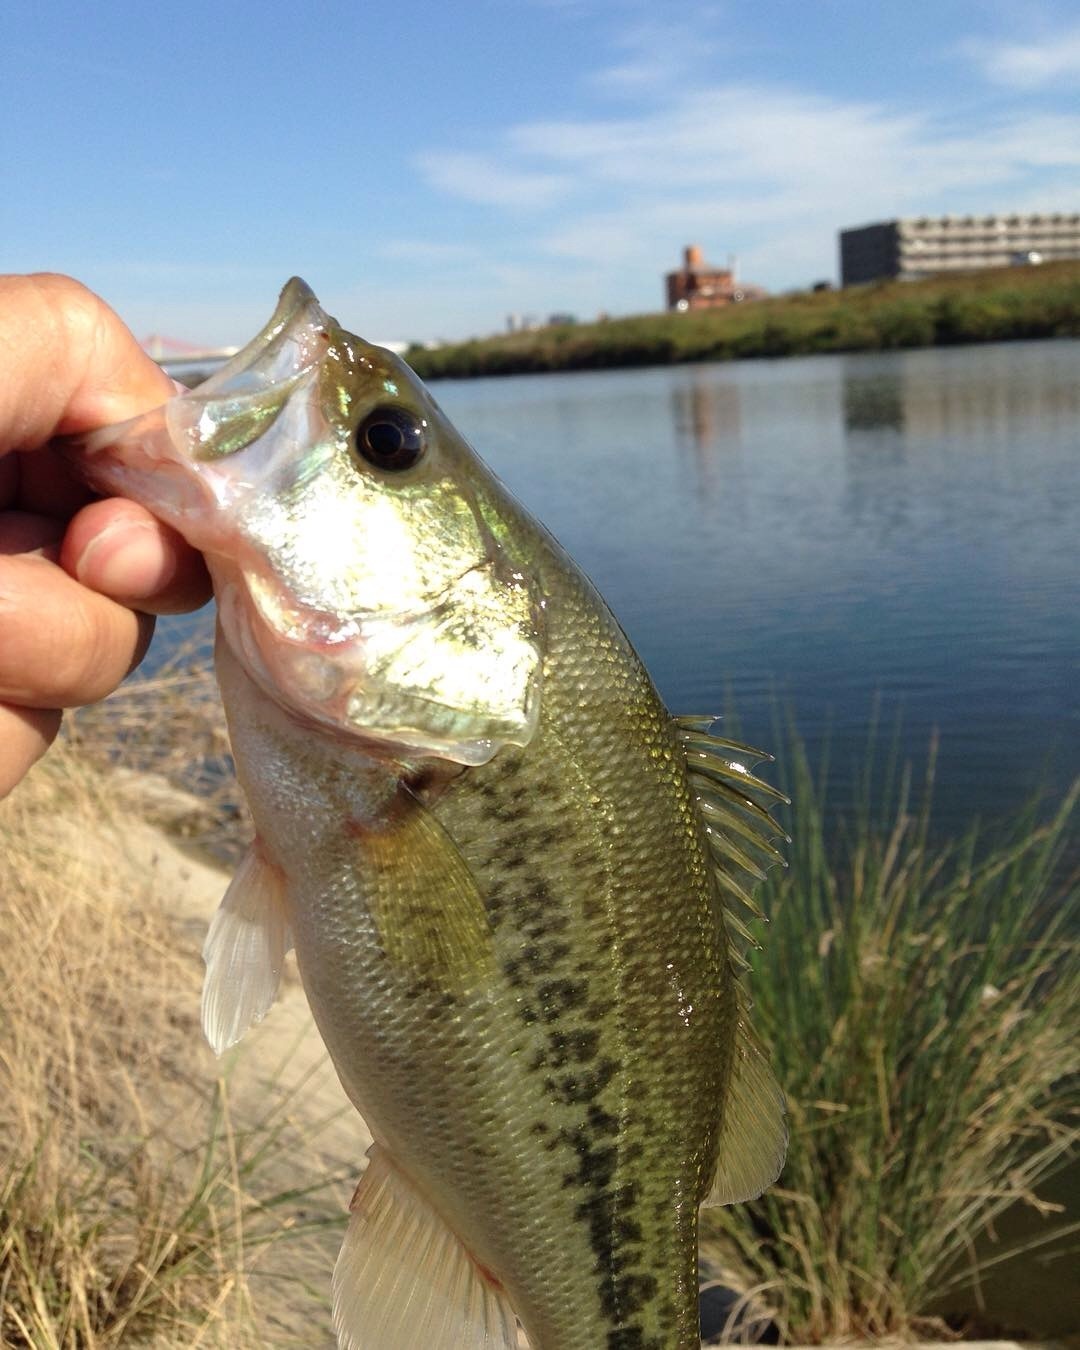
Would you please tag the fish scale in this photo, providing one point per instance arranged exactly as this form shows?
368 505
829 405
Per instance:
505 869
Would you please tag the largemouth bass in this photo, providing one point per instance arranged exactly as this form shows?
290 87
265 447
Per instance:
515 884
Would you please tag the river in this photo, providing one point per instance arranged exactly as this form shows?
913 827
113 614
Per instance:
841 537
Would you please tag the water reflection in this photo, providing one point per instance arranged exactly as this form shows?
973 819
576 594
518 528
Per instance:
873 401
706 418
877 469
705 411
947 392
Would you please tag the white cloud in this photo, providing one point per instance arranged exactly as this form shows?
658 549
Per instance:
771 173
1029 65
659 55
486 181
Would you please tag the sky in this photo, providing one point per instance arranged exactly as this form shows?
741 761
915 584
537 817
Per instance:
431 167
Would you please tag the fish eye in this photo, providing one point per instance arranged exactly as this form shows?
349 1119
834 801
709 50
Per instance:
391 437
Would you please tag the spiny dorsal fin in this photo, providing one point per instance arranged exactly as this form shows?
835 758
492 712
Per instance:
403 1280
732 802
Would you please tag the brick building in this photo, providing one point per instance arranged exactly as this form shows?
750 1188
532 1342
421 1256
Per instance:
696 285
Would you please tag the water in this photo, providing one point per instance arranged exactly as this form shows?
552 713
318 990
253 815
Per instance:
831 534
828 531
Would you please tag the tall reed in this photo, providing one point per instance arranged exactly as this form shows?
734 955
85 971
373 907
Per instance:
923 1005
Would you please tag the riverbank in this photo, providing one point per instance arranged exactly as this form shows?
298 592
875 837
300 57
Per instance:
152 1196
146 1188
991 306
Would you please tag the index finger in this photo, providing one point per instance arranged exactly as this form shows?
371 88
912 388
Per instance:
82 364
70 366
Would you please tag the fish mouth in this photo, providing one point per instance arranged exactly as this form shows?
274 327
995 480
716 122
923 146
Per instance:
400 684
292 340
323 630
158 457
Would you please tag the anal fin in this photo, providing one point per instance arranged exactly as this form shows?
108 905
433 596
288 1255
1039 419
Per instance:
403 1279
244 951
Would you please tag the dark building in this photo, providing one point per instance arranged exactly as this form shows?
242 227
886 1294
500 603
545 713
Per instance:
926 245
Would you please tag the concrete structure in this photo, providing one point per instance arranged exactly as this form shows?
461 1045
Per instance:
696 285
923 246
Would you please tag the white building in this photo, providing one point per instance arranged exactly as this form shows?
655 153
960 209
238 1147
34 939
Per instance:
925 245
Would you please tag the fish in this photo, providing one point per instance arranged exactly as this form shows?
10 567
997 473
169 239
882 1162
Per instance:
518 889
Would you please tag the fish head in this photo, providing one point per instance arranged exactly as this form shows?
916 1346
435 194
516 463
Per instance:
368 571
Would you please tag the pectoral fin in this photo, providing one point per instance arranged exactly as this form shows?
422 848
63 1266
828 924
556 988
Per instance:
428 909
404 1280
244 951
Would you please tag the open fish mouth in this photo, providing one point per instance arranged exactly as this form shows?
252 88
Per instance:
376 604
325 630
455 679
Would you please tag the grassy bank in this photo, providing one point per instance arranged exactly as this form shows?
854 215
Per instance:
923 1007
921 1003
990 306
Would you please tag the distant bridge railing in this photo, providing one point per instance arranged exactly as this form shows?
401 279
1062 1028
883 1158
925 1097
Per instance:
194 366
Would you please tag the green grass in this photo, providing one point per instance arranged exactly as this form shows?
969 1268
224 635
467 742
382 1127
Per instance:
922 1005
990 306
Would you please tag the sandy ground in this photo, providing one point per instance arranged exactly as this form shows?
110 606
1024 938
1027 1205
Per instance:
281 1071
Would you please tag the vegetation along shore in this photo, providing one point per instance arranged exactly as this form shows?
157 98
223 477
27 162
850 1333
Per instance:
920 1001
997 305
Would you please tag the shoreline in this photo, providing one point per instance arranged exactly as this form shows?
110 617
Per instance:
997 305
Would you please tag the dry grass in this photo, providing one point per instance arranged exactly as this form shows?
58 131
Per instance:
163 736
136 1202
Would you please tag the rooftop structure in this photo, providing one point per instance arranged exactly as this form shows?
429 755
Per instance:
923 246
696 285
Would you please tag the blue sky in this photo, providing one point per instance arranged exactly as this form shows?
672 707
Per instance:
431 167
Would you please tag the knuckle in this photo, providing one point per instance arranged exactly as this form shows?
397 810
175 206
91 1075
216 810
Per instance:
60 645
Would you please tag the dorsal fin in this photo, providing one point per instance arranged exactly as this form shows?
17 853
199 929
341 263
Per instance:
734 808
752 1139
733 804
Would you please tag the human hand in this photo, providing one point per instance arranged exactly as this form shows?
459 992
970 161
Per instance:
80 578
